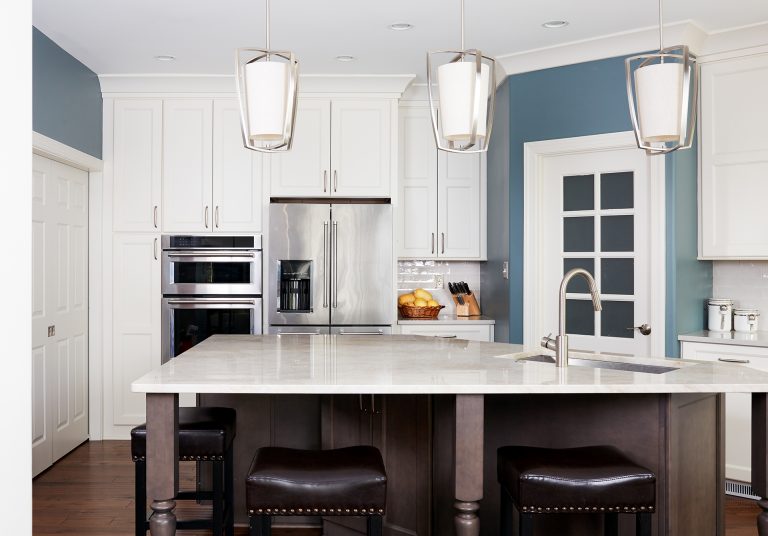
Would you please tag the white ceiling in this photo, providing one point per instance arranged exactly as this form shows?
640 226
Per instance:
123 36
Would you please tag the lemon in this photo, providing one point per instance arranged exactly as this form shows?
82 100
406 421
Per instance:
432 303
420 303
406 299
423 294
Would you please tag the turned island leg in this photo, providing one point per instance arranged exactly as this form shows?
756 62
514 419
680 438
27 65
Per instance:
469 463
760 457
162 461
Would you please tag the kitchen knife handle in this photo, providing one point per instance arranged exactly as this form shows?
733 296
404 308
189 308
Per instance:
335 264
326 275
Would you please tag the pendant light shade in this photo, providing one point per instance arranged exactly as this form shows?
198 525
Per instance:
466 82
267 88
662 90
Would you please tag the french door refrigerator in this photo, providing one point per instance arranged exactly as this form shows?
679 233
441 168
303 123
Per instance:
330 268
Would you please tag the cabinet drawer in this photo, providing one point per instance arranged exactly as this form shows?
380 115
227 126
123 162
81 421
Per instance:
482 332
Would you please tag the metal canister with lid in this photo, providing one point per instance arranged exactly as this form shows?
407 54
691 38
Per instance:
745 320
720 314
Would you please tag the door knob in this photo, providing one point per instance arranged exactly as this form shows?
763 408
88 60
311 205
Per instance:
644 329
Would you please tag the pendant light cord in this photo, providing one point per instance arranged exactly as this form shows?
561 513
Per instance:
268 43
462 25
661 26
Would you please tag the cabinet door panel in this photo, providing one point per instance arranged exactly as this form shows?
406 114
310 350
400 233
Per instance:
237 174
137 164
458 331
417 211
361 148
136 321
304 170
458 205
187 150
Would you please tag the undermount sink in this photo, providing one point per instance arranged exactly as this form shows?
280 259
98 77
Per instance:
597 363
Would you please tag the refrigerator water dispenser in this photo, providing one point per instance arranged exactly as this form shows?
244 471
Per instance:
294 282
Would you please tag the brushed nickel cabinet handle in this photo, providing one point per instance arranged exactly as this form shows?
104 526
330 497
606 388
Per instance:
216 216
442 235
325 180
154 248
154 216
206 216
433 243
733 360
335 180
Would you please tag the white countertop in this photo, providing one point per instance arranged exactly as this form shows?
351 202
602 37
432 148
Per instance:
759 338
330 364
448 319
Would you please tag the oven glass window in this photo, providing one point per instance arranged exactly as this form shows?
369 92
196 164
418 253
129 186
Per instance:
212 272
191 326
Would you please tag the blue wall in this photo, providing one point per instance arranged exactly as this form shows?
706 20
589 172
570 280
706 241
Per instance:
66 97
581 100
494 288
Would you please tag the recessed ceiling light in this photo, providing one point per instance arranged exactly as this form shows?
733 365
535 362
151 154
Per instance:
345 58
555 23
165 58
400 26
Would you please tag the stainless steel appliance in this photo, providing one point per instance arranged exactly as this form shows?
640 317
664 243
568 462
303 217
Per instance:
211 284
330 268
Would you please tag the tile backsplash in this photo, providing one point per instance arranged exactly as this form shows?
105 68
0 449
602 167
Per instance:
421 274
745 282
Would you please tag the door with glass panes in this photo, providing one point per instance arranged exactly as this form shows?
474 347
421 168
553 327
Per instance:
596 215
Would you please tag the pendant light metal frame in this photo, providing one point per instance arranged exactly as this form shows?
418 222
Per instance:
476 144
689 96
247 55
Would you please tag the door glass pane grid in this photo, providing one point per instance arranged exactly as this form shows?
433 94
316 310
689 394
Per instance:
595 255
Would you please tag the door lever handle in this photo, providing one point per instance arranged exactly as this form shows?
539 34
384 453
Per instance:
644 329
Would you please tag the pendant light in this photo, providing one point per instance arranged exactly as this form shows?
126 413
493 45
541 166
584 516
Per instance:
467 89
267 89
662 90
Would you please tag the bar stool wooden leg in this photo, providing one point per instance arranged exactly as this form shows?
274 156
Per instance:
140 498
375 526
229 492
643 524
611 524
218 498
260 526
526 524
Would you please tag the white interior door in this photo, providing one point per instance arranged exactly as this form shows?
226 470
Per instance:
59 310
594 212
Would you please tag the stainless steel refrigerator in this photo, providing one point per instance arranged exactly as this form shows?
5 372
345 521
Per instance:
330 268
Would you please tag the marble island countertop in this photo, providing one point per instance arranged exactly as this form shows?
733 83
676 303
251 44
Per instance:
736 338
414 364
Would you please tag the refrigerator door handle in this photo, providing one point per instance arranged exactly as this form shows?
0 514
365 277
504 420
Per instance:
335 270
325 264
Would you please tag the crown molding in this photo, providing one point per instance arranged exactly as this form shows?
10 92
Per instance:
390 85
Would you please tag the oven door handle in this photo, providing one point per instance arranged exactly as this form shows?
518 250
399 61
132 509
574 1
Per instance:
210 255
204 301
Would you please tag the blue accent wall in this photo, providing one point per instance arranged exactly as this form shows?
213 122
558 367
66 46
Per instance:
66 97
586 99
494 289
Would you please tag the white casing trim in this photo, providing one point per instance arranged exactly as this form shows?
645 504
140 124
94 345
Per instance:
55 150
391 86
534 154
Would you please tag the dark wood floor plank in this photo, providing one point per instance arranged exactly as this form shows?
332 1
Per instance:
90 492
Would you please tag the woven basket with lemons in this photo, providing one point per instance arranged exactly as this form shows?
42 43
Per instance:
418 304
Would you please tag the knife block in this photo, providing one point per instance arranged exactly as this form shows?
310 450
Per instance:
470 307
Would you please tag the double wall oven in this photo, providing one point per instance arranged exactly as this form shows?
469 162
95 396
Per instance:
211 284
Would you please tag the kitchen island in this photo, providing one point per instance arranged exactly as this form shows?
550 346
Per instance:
466 375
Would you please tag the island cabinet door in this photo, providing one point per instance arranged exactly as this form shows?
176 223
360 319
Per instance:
399 426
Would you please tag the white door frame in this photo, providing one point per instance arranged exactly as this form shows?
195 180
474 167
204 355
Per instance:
55 150
534 201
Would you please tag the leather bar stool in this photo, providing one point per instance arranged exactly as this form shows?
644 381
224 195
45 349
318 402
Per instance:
597 479
205 435
341 482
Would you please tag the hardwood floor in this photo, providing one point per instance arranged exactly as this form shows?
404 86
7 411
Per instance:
91 492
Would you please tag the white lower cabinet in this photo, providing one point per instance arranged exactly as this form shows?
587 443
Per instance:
136 327
470 332
738 406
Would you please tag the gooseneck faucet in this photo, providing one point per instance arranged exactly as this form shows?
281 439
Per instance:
560 343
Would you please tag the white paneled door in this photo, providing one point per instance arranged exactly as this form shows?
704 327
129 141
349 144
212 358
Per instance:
593 210
59 310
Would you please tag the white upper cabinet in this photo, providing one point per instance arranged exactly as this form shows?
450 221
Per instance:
137 160
304 170
361 148
237 173
187 168
441 211
417 223
734 159
341 148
